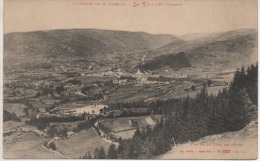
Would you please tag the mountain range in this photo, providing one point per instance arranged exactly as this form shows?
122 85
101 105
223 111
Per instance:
224 50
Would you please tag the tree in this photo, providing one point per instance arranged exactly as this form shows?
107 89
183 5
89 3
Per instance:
204 84
137 133
161 122
59 89
193 88
96 153
120 148
162 143
209 82
99 153
186 108
37 95
10 116
251 82
52 146
202 99
130 154
87 155
245 97
112 153
102 153
7 116
26 111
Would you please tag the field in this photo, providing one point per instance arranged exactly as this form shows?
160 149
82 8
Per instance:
128 93
39 104
92 109
125 134
8 125
77 146
91 79
192 94
133 93
14 108
29 147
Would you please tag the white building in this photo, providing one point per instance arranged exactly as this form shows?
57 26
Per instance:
141 76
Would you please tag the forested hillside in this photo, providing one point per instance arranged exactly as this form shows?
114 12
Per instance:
220 50
190 119
175 62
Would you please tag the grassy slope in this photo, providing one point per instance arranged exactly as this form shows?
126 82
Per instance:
247 137
14 108
28 148
77 146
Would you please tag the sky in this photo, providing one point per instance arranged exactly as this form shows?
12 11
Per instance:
192 16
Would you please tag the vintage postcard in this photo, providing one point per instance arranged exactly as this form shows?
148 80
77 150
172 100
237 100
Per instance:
130 79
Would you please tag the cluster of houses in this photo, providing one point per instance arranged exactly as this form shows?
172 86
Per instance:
69 127
25 129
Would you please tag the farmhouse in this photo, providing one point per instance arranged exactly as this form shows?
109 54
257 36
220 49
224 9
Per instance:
125 127
39 132
120 81
70 133
42 110
150 121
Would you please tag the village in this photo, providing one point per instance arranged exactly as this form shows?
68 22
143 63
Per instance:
73 103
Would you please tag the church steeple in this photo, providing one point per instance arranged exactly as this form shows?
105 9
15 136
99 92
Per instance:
138 72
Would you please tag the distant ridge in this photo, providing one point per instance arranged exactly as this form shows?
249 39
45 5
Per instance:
229 49
224 50
82 42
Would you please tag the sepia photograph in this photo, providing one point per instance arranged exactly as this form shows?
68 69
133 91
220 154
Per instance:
130 79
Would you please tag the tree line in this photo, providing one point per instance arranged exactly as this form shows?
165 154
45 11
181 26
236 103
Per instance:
42 123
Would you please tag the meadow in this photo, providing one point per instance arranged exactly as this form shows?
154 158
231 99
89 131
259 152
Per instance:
77 146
